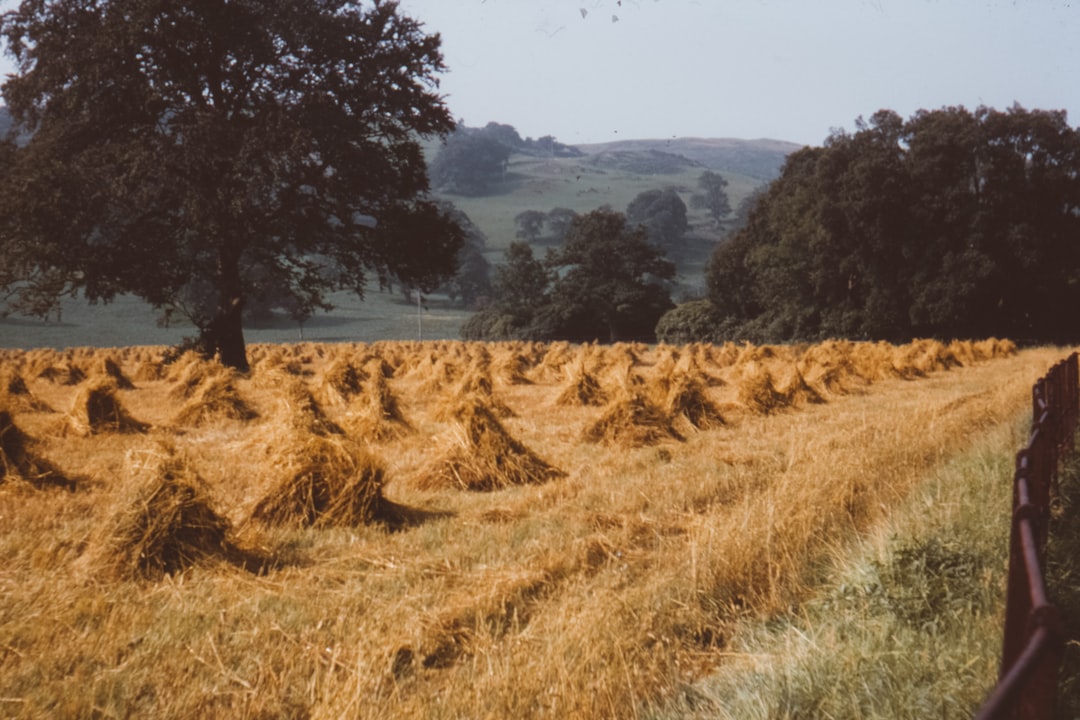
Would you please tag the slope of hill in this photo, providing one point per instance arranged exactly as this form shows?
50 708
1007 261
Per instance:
758 159
613 174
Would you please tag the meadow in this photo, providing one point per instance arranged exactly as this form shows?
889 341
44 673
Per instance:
466 530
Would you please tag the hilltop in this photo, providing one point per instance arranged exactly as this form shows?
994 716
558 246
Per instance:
759 159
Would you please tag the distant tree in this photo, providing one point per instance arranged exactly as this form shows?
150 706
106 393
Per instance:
606 283
470 162
713 196
559 221
521 282
471 280
225 142
663 215
507 135
519 290
610 281
530 224
549 147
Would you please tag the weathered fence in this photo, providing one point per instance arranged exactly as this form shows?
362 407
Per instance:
1031 652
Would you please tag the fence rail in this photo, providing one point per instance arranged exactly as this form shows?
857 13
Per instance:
1033 643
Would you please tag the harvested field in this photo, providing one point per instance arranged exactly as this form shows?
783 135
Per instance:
451 529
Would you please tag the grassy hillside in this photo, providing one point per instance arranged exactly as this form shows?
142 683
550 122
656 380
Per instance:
613 174
452 530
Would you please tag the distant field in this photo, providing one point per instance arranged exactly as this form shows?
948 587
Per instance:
129 321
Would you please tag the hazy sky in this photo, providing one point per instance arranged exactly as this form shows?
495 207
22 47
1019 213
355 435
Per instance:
601 70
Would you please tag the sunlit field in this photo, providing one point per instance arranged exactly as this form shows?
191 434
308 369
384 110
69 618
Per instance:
469 530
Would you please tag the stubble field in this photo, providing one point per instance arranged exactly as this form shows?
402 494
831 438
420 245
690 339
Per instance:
476 530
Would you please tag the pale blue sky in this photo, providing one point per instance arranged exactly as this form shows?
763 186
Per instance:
784 69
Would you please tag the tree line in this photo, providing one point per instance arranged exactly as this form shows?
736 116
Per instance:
950 224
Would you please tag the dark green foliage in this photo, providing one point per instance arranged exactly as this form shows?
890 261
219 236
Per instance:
471 162
663 215
530 224
713 197
559 221
471 281
952 224
263 149
610 281
694 321
604 283
519 290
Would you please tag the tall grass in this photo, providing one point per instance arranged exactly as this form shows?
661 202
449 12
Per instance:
663 576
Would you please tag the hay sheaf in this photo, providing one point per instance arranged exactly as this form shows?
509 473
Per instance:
96 409
62 374
190 373
299 409
18 461
375 414
109 368
15 394
757 390
581 390
326 481
511 368
478 385
632 421
168 524
688 403
483 456
215 399
341 382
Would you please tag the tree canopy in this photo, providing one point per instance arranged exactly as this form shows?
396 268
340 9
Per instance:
713 197
605 283
950 224
225 144
663 215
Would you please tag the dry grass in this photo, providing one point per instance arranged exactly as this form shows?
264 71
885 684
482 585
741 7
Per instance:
588 579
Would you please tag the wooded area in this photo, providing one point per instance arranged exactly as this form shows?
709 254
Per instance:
950 224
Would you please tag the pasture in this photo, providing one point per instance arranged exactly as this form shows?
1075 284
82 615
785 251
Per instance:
466 530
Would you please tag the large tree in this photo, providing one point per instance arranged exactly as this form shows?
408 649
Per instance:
610 281
220 142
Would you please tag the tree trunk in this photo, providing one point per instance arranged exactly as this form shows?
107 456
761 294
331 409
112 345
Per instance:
227 326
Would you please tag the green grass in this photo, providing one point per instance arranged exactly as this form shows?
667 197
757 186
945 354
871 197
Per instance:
908 621
129 321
